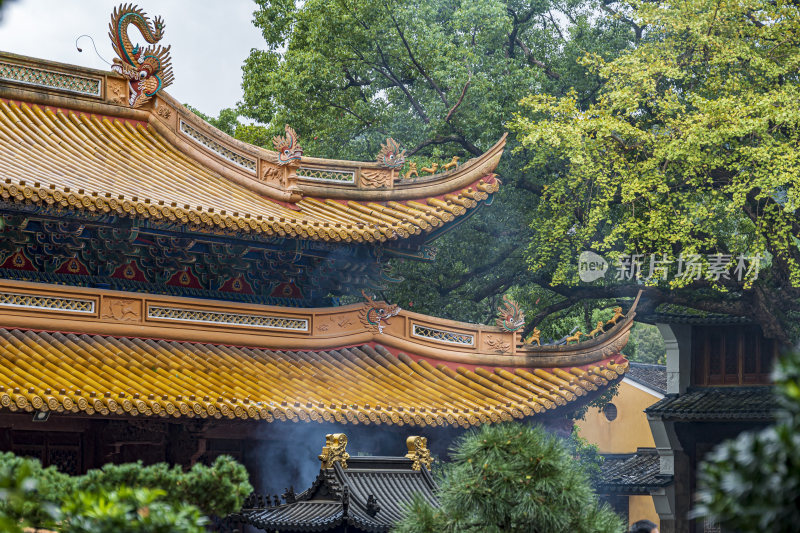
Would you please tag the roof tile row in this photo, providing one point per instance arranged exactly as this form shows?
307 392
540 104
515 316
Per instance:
363 384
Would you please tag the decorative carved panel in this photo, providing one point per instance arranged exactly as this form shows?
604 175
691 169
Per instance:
121 309
117 91
377 178
497 344
271 174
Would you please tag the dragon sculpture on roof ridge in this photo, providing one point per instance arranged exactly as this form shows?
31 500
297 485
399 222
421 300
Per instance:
375 315
511 318
288 147
391 155
148 69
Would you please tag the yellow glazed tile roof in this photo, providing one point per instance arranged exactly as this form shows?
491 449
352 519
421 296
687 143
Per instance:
66 159
93 374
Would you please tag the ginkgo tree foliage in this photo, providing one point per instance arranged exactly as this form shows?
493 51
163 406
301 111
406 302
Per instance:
637 128
690 149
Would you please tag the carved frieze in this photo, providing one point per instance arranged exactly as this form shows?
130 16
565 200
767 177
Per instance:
117 91
377 178
271 174
121 309
497 344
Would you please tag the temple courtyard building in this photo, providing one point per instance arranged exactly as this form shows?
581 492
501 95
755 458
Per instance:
169 293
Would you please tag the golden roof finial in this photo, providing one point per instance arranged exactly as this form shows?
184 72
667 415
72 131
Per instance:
334 450
418 452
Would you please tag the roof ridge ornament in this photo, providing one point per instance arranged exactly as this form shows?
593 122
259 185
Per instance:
373 507
334 451
288 147
511 318
375 315
391 155
148 69
418 452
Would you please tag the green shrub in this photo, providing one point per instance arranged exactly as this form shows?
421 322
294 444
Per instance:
128 510
512 478
752 483
219 489
32 493
29 493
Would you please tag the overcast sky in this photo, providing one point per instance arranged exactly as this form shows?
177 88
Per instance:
210 40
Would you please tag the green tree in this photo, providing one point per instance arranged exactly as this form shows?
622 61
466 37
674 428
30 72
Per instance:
646 345
689 148
442 77
227 121
752 483
219 489
512 478
652 129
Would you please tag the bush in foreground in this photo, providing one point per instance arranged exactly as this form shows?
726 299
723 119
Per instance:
149 499
752 483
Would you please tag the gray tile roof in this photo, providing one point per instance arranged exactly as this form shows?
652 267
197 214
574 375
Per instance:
634 473
340 496
756 403
653 376
679 314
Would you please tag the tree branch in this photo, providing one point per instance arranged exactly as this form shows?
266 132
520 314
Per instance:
460 99
430 80
388 74
471 148
547 311
465 278
535 62
351 112
637 30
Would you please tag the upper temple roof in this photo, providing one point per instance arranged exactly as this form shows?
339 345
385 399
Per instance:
70 140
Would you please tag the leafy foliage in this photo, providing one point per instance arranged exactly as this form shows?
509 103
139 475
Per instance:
219 489
37 490
512 478
17 494
689 148
127 510
442 77
585 453
647 128
752 483
646 345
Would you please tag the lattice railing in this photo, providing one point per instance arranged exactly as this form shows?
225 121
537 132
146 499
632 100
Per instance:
50 303
441 335
331 176
227 319
52 80
222 151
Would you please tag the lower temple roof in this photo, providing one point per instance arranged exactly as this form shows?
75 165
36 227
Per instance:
756 403
634 473
365 493
367 383
652 376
